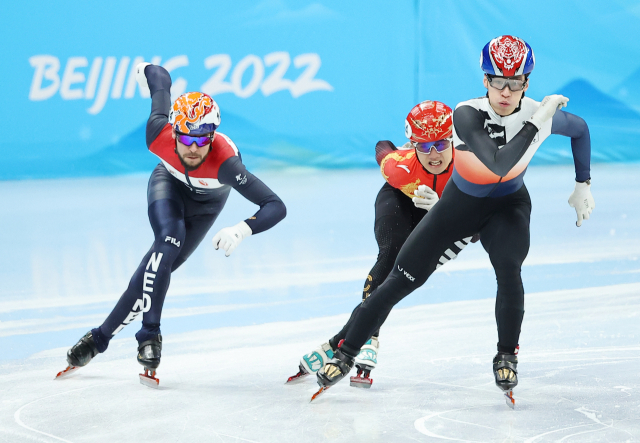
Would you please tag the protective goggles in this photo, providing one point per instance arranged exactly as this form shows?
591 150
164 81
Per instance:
501 82
438 145
200 141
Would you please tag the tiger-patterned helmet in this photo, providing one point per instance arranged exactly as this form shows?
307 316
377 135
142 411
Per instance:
195 113
507 56
429 121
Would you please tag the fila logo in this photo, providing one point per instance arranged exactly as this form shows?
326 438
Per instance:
172 240
404 167
203 183
240 179
406 274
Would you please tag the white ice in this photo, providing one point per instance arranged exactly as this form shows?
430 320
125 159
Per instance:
234 328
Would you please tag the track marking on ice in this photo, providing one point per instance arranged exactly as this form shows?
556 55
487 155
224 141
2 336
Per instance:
623 389
422 428
19 421
420 424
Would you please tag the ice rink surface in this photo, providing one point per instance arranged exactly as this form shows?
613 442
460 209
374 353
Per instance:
234 328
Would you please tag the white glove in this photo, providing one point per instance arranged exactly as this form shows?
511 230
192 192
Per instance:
426 197
550 104
141 78
583 202
229 238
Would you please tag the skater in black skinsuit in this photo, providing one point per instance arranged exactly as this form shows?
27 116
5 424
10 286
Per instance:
415 176
495 137
187 190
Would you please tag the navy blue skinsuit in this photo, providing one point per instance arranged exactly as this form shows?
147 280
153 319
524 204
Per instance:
182 207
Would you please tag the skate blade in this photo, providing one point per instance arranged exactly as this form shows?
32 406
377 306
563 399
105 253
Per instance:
296 378
70 370
317 394
149 380
361 382
511 402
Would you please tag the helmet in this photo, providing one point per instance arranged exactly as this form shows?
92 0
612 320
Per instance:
194 113
429 121
506 56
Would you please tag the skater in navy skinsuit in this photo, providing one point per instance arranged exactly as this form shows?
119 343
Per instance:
187 190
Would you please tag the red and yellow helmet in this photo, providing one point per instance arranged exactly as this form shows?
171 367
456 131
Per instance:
429 121
195 113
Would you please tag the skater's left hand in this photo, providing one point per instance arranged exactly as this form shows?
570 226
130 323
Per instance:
582 200
425 198
141 77
229 238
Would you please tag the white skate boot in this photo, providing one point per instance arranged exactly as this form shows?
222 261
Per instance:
312 362
366 360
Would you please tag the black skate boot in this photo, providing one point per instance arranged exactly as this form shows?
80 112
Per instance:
149 357
80 354
505 370
335 370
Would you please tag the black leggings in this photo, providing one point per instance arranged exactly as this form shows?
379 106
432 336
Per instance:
179 223
503 224
396 216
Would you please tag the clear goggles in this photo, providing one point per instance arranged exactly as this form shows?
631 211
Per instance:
501 82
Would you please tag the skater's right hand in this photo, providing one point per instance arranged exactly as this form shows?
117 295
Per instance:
229 238
550 104
425 198
582 201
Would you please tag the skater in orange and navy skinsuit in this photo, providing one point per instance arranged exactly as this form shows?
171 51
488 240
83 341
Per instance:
495 138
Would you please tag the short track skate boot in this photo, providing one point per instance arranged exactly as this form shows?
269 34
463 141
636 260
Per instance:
82 352
80 355
313 361
149 356
505 370
366 361
335 370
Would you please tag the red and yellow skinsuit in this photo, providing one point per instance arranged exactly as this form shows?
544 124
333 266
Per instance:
402 170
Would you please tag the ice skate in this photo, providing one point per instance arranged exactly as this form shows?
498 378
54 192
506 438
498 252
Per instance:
149 356
312 362
335 370
505 370
79 355
365 361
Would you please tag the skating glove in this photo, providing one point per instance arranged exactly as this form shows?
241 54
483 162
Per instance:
141 78
582 200
425 198
550 104
229 238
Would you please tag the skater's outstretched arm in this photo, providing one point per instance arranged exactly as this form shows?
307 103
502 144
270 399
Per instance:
570 125
469 126
159 82
272 209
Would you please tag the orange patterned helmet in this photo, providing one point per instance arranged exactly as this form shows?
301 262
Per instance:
429 121
194 113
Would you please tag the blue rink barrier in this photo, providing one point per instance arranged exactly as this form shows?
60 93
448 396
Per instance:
299 83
